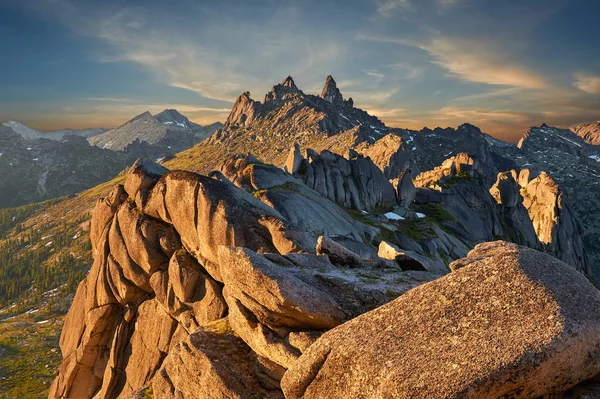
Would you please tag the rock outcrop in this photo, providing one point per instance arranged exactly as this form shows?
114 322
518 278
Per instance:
182 261
405 189
331 93
554 221
244 110
354 183
590 132
389 153
228 281
513 215
509 322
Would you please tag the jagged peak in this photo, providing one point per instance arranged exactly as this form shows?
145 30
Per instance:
142 115
331 93
289 82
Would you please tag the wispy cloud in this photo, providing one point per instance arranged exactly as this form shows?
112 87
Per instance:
481 61
108 99
219 59
589 84
388 7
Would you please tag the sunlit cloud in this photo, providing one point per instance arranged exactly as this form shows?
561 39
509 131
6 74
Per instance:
481 61
587 83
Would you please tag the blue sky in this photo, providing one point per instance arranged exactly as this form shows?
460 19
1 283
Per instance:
502 65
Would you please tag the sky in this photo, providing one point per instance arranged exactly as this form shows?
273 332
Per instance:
501 65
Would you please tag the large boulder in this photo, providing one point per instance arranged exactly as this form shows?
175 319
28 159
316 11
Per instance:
511 322
211 363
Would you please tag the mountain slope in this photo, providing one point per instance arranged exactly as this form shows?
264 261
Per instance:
590 132
146 134
35 170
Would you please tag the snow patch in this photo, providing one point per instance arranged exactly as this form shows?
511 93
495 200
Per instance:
393 216
595 158
420 215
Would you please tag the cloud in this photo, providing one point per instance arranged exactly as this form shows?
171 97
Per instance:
587 83
108 99
481 61
374 74
388 7
218 56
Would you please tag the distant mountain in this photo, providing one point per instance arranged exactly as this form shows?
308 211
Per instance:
86 133
34 169
590 132
154 135
31 134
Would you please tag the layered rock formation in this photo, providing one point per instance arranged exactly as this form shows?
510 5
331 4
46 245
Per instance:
590 132
355 182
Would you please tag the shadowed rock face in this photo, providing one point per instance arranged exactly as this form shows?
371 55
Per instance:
355 182
510 322
513 215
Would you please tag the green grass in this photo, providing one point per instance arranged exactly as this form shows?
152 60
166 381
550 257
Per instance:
29 355
436 212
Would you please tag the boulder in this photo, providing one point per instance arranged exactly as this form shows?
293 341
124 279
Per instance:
337 252
210 363
405 189
142 175
390 251
514 322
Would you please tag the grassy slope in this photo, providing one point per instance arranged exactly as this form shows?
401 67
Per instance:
29 353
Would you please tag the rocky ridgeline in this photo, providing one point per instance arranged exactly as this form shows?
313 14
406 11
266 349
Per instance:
289 115
226 285
534 213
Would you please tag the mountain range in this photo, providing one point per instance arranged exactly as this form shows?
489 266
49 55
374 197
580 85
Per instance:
37 166
304 237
